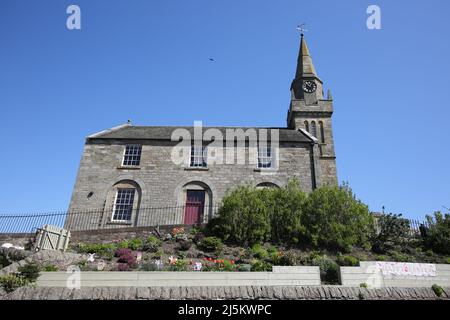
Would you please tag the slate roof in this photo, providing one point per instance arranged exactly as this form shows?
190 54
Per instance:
130 132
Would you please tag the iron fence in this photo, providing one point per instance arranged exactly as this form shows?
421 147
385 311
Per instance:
134 217
108 218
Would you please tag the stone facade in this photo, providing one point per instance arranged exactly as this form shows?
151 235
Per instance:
159 182
224 293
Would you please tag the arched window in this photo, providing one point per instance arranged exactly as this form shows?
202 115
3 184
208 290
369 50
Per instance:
322 133
313 129
123 201
265 185
306 126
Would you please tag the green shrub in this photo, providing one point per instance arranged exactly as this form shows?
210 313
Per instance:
401 257
184 245
393 232
30 272
124 244
437 290
210 244
363 285
11 282
50 268
180 265
244 267
260 266
104 250
328 269
152 244
381 258
243 217
347 261
447 260
136 244
335 219
284 259
259 252
437 236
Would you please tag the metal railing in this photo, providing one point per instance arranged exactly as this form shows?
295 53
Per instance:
107 218
136 217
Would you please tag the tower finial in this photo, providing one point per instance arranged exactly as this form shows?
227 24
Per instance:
302 29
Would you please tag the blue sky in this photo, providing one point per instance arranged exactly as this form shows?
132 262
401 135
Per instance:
149 61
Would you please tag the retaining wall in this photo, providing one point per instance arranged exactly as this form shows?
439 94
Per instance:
374 277
280 276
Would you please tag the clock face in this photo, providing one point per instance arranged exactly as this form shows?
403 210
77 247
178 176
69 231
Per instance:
309 86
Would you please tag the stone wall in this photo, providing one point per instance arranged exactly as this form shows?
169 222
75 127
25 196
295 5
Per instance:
215 293
161 181
369 273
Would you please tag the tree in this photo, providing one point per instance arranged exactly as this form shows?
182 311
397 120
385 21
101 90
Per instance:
335 219
438 233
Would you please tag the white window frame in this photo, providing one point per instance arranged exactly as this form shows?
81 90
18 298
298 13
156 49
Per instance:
196 160
115 206
124 155
260 159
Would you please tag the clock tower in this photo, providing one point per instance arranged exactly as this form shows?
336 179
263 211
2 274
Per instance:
309 110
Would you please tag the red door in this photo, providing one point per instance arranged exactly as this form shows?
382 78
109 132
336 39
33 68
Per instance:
195 203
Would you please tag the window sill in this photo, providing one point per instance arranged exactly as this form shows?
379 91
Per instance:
129 168
196 169
120 223
265 170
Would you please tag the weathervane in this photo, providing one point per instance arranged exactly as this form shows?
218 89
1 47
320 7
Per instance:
302 29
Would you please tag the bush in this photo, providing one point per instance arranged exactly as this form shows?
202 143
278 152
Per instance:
50 268
437 290
328 269
30 272
180 265
152 244
401 257
103 250
347 261
136 244
184 245
328 217
259 252
335 219
11 282
363 285
393 232
121 252
243 217
437 237
260 266
284 259
210 244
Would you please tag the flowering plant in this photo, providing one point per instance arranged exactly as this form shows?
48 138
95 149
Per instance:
176 231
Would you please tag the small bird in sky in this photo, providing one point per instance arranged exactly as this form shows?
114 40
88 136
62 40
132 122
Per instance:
212 60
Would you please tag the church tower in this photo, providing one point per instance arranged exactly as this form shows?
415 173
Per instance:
311 111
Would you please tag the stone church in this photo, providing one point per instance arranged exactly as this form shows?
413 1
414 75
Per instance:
128 176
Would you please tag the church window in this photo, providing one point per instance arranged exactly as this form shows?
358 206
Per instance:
123 204
198 157
264 157
322 132
306 126
313 129
132 155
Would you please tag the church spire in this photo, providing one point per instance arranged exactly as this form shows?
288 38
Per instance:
305 66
